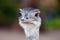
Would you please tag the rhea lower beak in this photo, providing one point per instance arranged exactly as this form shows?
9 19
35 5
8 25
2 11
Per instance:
26 22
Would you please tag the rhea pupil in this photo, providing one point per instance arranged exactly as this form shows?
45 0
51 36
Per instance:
36 14
20 14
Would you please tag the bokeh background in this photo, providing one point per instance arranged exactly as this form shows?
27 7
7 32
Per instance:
50 14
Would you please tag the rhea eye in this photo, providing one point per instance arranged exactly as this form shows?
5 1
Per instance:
20 14
36 14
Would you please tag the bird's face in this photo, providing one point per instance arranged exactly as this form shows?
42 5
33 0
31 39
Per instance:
29 17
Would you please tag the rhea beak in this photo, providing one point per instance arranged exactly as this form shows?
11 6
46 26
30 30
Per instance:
26 22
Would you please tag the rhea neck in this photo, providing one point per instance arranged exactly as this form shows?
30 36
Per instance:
31 33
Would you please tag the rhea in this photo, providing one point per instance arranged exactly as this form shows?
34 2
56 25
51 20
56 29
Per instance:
30 21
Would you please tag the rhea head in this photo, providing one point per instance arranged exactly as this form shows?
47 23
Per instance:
29 17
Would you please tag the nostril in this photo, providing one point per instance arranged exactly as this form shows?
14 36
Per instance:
26 17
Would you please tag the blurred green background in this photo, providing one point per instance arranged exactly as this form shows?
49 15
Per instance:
8 11
49 12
